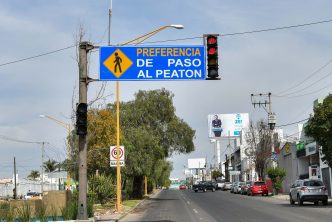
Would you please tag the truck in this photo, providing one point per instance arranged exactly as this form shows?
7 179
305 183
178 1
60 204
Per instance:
204 186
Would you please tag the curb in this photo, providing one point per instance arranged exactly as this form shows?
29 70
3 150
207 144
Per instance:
117 217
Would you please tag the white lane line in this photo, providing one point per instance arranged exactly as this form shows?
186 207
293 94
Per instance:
195 211
188 202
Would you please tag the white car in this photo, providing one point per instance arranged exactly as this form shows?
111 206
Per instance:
237 187
31 195
220 184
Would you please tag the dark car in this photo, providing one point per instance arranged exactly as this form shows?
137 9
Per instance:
308 190
258 187
204 186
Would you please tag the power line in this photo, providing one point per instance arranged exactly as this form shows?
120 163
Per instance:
39 55
300 90
309 93
18 140
181 39
293 123
308 77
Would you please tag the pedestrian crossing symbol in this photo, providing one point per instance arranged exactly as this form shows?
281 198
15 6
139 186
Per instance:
118 63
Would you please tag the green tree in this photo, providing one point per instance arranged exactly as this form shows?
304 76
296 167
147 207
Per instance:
50 165
216 174
277 176
319 127
151 132
34 174
101 135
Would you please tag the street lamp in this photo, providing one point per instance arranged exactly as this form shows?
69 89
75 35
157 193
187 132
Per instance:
68 127
144 37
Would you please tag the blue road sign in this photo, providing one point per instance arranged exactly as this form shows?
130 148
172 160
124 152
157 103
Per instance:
152 63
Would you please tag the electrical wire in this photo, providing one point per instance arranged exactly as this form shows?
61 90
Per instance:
18 140
181 39
300 90
310 93
308 77
288 124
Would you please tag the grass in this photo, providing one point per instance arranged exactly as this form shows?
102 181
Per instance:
131 203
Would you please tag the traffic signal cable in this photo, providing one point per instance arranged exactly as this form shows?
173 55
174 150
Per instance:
179 39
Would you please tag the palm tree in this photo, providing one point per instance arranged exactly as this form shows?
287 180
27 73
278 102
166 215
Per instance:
34 174
50 165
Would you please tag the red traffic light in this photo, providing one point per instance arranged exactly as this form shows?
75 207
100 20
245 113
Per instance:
211 40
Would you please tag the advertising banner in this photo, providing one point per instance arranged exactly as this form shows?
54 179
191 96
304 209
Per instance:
224 125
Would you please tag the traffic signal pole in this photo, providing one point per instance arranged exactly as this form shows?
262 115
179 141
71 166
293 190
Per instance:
82 214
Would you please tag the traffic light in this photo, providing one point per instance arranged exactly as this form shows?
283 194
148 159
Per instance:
82 119
212 56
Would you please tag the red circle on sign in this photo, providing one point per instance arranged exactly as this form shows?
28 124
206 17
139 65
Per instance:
113 153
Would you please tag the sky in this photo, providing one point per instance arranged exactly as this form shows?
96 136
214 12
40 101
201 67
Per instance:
273 61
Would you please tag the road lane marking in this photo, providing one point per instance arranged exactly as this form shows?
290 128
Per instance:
188 202
195 211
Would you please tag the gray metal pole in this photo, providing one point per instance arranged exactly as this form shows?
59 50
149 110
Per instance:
42 179
84 47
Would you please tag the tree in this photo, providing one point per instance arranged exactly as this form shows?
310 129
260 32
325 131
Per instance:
50 165
319 127
276 175
216 174
259 140
151 132
34 174
101 135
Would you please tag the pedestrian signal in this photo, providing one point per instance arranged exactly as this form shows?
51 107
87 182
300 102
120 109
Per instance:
82 119
212 56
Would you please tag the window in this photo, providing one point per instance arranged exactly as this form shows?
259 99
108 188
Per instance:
259 183
313 183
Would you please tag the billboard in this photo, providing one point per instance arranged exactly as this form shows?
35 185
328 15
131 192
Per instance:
197 163
224 125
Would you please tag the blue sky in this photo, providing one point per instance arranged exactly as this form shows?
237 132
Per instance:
252 63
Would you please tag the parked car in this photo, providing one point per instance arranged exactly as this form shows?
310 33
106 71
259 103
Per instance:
258 187
220 184
245 187
182 187
227 186
32 195
232 187
308 190
204 186
237 187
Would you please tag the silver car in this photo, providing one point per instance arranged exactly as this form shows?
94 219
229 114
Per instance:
237 187
308 190
227 186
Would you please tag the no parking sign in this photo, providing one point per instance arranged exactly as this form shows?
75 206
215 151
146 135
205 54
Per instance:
113 156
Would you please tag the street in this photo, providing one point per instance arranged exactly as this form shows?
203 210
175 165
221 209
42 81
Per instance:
185 205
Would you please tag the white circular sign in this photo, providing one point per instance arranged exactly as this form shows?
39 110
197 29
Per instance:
114 153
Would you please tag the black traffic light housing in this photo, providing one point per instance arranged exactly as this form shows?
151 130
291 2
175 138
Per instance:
82 119
212 56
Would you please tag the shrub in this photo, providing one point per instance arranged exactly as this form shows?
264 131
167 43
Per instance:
276 175
101 188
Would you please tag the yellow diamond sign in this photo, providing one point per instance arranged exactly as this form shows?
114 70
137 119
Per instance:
118 63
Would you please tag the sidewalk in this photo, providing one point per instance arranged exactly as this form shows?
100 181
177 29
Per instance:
112 215
286 197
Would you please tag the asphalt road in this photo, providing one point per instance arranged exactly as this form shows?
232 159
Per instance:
185 205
